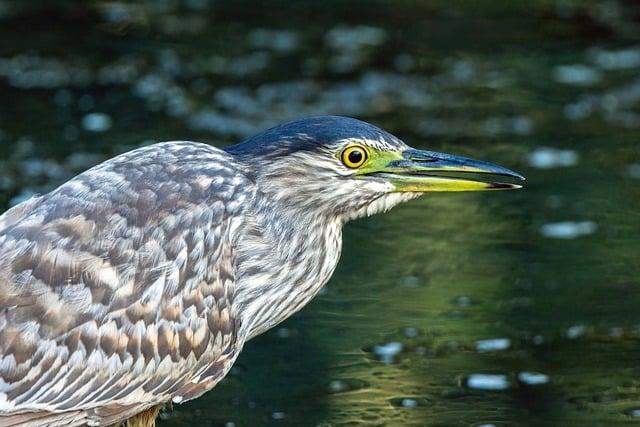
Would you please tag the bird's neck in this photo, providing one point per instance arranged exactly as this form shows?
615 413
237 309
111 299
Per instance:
284 259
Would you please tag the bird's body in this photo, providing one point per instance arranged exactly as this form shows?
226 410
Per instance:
138 282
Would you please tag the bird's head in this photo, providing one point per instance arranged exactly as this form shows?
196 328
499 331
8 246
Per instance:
345 168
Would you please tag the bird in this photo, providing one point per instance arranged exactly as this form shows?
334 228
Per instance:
137 283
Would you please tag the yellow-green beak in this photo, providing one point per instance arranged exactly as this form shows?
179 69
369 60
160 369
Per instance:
427 171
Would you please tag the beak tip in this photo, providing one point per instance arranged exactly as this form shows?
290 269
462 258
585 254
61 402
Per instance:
508 172
503 186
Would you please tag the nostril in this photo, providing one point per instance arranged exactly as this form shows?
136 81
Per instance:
424 159
421 156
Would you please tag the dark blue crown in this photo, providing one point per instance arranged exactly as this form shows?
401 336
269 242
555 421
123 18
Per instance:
308 134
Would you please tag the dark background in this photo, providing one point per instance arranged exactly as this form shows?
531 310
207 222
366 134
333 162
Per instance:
548 275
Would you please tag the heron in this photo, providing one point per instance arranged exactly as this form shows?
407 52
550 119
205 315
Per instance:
138 282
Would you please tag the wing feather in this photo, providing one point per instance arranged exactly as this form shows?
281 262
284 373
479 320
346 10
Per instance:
116 289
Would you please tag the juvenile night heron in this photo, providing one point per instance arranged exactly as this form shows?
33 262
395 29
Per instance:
138 282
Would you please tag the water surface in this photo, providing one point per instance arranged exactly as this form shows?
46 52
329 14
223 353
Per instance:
511 308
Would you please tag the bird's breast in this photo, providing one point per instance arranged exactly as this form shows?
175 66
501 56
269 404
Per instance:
280 276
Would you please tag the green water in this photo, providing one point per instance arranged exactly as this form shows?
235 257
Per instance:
550 273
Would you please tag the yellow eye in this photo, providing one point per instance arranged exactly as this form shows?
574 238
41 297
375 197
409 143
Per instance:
354 156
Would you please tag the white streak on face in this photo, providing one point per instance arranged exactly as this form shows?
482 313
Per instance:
378 144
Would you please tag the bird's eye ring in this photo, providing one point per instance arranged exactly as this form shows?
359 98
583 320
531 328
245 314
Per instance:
354 156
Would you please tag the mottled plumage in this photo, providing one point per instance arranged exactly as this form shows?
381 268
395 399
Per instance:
117 288
138 282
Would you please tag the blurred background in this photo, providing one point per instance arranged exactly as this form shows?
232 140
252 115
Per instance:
515 308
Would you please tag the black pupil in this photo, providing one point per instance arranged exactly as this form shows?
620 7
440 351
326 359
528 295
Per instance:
355 156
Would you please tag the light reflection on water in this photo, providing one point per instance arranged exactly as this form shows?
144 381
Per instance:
502 309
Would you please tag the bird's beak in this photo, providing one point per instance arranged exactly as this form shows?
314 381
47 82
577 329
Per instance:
426 171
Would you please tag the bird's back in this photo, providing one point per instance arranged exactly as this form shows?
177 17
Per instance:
116 289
